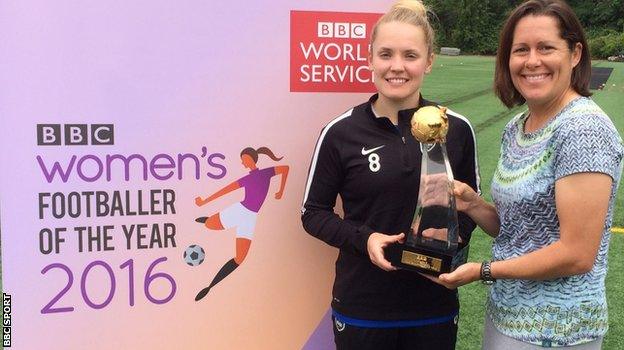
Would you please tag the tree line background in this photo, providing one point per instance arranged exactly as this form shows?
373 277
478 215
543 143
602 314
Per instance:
474 25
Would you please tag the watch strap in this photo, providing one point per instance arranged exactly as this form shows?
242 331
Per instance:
486 272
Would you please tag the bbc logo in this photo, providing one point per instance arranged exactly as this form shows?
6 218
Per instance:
341 30
75 134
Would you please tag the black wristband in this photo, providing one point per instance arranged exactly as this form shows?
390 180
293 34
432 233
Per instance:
486 273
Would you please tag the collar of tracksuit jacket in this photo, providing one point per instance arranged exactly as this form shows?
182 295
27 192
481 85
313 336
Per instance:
405 116
402 130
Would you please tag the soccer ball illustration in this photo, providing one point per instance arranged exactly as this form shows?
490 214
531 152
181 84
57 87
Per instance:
194 255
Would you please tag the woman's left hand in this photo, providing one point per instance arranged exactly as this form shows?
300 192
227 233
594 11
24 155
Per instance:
464 274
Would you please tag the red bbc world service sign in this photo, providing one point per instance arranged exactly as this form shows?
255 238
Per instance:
329 51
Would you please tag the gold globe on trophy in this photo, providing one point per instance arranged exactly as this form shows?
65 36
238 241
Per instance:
432 244
430 124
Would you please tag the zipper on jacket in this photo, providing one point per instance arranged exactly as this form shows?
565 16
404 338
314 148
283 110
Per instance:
407 154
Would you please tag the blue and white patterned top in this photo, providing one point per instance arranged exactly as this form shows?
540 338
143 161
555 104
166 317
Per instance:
562 311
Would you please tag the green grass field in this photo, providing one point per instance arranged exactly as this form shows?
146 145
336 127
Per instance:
464 84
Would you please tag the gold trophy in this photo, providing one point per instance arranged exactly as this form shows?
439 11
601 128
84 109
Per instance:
432 244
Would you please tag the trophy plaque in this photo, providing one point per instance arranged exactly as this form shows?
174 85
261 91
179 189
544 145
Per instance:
432 244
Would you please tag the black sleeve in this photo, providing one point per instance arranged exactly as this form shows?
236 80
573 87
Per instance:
324 183
468 172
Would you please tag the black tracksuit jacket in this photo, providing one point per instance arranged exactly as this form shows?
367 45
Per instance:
375 168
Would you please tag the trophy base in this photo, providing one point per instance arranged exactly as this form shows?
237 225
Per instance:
422 259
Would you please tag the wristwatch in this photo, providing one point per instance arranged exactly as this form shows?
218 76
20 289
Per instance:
486 273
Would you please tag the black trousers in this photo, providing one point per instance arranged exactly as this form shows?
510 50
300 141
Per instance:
440 336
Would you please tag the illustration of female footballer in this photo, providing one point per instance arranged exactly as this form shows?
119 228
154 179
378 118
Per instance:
242 215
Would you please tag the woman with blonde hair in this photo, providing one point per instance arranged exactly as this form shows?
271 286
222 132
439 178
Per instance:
368 157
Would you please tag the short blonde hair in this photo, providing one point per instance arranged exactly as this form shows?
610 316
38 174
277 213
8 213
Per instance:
408 11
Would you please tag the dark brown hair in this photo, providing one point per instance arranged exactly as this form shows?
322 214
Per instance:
570 30
253 153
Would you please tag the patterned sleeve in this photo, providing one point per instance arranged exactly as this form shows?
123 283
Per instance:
587 144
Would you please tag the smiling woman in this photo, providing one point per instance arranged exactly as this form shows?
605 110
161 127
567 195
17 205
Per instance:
401 56
553 190
541 66
368 156
532 41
